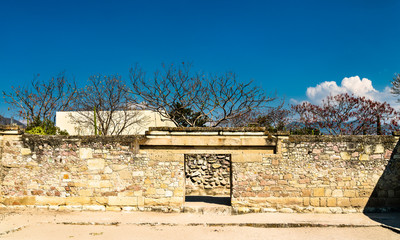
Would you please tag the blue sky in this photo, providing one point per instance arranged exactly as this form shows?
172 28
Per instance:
284 46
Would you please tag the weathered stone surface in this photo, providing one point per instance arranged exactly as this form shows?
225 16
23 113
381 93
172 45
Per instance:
318 192
345 156
172 201
85 153
77 201
26 200
95 164
25 151
207 174
122 201
300 173
337 193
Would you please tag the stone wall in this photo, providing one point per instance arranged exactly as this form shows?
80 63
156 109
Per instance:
87 173
208 174
324 174
267 172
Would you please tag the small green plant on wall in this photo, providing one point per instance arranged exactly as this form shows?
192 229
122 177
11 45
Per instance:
46 127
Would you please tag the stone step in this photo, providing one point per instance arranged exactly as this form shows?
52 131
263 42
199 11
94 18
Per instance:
219 210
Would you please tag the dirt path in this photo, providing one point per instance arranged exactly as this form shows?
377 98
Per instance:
150 225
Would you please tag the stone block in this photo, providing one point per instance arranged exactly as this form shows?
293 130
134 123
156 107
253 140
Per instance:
99 200
129 209
138 193
85 192
160 192
179 192
64 208
322 210
140 201
358 202
379 148
292 201
77 201
364 157
322 201
328 192
113 209
336 210
27 200
85 153
288 177
93 208
125 174
345 156
147 181
126 194
94 183
286 210
106 184
306 192
118 167
95 164
349 193
318 192
241 210
337 193
138 173
268 210
331 202
150 191
317 151
173 201
168 193
25 151
343 202
122 201
79 184
314 201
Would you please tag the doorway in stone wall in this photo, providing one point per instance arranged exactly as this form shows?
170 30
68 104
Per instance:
208 179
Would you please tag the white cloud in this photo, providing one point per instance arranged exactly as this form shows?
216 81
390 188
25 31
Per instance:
352 85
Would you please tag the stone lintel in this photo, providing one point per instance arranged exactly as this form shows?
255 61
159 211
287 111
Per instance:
256 141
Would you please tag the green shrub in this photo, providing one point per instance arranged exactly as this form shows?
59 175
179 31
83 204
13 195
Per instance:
45 127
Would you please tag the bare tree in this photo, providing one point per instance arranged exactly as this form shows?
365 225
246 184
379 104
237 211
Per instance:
40 100
106 104
216 99
275 118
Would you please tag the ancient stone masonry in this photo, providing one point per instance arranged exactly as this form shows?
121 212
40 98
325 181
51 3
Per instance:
87 173
208 174
261 172
324 174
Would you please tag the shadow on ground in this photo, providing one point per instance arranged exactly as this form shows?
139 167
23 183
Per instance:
208 199
385 197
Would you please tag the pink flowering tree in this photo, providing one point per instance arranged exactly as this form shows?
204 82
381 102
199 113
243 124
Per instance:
348 114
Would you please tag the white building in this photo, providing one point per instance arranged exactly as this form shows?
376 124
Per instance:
81 123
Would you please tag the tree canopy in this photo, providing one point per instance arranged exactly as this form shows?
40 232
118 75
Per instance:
213 99
348 114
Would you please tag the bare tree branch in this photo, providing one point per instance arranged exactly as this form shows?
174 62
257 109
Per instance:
113 103
215 98
41 99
